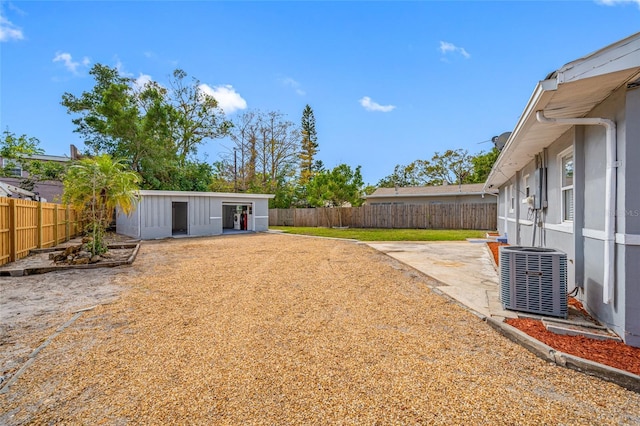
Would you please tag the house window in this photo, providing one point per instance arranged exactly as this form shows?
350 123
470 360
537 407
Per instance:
512 198
11 168
566 185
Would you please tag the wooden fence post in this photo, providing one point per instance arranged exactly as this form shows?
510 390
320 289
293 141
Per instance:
40 236
55 225
13 233
67 218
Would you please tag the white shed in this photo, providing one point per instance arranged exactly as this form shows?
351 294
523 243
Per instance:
163 214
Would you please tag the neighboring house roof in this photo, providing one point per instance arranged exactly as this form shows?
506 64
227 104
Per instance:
569 92
46 157
58 158
430 191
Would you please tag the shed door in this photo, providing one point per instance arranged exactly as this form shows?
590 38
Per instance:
178 218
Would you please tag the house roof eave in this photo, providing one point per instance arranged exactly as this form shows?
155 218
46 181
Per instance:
511 159
570 92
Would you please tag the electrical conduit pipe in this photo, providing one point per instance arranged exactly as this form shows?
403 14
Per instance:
610 193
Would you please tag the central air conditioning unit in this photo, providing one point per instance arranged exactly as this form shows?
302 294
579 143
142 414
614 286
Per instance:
533 280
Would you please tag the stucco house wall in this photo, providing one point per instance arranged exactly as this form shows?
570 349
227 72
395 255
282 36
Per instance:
629 192
537 142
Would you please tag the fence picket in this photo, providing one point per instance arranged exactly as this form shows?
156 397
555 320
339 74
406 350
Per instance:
480 216
26 225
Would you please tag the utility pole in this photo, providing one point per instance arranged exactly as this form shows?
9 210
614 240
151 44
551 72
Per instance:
235 169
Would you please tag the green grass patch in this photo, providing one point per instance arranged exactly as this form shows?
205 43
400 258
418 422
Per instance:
366 234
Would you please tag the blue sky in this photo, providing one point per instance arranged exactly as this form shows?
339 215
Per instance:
389 82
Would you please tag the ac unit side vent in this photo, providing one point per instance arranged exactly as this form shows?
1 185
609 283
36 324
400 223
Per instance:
533 280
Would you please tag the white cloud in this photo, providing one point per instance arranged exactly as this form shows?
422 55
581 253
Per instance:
446 47
9 31
69 63
290 82
16 9
142 80
616 2
228 99
121 70
370 105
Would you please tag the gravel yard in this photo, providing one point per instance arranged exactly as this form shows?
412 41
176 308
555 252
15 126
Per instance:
280 329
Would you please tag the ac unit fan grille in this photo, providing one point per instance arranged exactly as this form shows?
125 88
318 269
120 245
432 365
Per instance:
533 280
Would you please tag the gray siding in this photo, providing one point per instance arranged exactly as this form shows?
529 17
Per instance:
128 225
628 216
594 177
612 314
153 217
199 212
261 215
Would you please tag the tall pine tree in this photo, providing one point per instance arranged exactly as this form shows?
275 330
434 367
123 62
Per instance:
308 146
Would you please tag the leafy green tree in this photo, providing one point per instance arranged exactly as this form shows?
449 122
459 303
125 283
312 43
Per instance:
284 195
308 145
482 165
190 176
222 177
14 147
452 167
412 174
368 190
16 152
108 114
116 120
335 188
318 166
195 116
97 186
155 130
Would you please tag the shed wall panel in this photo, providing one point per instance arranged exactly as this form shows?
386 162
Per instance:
128 224
152 218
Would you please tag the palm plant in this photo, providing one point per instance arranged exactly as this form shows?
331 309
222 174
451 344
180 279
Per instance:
97 186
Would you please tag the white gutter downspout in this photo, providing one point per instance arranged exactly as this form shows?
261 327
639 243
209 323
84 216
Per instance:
497 209
610 193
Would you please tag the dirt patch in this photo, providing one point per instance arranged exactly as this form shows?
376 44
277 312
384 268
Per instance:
277 329
611 353
32 307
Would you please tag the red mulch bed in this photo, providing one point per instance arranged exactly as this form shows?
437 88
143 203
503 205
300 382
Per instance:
607 352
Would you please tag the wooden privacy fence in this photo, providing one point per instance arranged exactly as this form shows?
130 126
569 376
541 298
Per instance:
481 216
26 225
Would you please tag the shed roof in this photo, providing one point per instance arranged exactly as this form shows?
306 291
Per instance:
569 92
430 191
205 194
